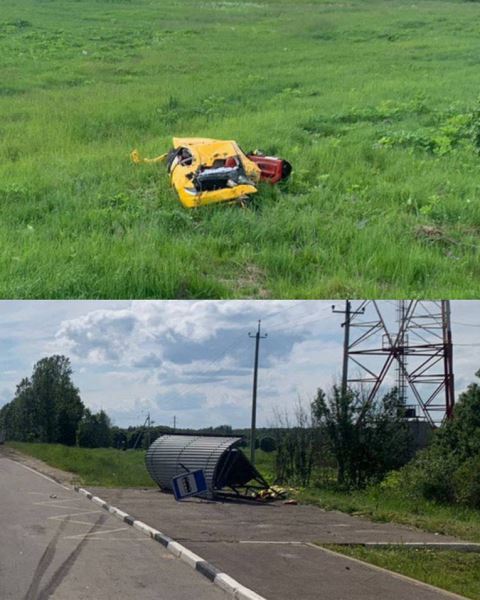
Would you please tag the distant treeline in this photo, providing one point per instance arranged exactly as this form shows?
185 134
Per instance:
141 437
47 408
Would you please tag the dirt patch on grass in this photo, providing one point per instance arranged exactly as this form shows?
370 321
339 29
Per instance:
251 282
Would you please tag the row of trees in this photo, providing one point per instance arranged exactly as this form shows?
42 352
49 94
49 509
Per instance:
47 408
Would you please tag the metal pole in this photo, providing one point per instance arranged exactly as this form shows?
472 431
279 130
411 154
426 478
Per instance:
257 337
346 344
448 360
401 342
346 340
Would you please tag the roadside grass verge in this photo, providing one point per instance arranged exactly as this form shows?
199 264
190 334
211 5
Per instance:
457 572
390 507
104 467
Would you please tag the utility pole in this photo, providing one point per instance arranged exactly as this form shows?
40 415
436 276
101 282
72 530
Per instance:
448 360
174 422
142 430
257 337
148 430
346 339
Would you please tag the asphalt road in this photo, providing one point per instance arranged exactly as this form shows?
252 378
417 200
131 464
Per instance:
270 548
56 544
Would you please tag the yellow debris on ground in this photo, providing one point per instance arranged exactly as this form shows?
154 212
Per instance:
206 171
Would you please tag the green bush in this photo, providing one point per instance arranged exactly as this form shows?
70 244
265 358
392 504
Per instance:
267 444
430 476
467 483
449 470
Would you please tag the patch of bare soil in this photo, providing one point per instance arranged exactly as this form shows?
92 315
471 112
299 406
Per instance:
251 280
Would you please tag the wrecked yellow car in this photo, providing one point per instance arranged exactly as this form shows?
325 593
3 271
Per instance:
206 171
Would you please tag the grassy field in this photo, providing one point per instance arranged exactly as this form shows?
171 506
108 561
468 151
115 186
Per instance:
456 572
94 466
372 101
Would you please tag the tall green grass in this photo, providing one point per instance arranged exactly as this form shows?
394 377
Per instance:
93 466
346 91
388 506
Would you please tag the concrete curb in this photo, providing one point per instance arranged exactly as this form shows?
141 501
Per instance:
222 580
456 546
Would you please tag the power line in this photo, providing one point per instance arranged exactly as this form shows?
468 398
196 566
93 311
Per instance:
238 339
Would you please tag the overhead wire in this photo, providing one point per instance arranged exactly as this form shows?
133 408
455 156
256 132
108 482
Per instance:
276 325
187 389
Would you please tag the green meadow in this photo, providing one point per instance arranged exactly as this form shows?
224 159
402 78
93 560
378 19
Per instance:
374 102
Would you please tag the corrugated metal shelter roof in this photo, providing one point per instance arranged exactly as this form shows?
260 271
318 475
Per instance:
172 455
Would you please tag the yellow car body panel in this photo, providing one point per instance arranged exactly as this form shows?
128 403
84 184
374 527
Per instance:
205 152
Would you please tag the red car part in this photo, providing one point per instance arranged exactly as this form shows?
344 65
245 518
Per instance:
273 169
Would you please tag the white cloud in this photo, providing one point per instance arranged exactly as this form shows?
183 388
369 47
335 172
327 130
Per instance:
194 359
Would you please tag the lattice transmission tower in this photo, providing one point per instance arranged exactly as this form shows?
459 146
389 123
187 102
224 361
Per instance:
407 344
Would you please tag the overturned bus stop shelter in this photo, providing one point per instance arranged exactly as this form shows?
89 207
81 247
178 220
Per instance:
227 470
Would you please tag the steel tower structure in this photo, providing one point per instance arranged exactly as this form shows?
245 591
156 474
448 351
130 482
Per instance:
419 347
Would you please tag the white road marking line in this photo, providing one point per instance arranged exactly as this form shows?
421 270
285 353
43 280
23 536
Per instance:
94 533
87 523
53 501
53 504
270 542
117 539
78 514
51 498
40 474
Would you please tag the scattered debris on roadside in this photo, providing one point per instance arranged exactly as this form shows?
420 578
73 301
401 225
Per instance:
207 171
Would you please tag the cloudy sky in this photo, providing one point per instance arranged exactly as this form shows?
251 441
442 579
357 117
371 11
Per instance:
193 360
